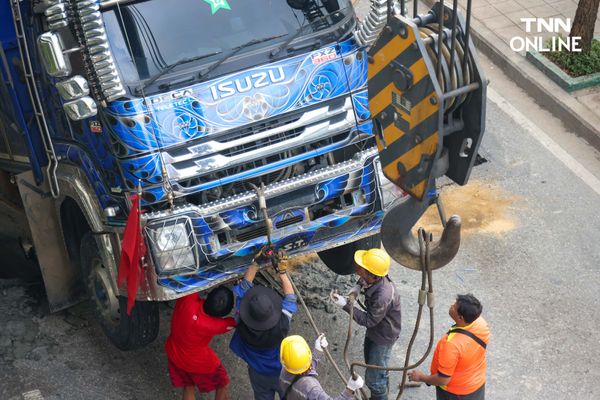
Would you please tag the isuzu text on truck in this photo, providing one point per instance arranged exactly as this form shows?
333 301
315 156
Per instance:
193 103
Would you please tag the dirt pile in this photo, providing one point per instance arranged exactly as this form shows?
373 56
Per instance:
482 206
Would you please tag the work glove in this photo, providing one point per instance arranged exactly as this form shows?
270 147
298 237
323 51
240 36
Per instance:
355 291
281 262
321 343
337 299
264 255
355 384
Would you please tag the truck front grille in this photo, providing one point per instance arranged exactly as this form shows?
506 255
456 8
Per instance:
271 140
224 164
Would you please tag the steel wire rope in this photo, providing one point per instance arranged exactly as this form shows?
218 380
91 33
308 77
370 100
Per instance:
426 268
424 241
318 332
262 203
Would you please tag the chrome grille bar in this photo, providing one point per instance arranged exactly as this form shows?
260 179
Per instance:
273 190
208 157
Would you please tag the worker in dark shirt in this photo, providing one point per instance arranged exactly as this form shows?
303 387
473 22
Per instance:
264 319
192 363
382 316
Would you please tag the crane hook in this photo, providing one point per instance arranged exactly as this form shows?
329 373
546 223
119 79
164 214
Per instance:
403 245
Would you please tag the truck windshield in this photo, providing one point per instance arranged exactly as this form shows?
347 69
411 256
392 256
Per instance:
148 37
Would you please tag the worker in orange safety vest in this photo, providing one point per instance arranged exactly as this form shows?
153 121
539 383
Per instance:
459 365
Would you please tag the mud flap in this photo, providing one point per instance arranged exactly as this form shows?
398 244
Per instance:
62 281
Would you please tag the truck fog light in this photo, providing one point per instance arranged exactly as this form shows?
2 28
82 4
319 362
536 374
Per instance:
172 245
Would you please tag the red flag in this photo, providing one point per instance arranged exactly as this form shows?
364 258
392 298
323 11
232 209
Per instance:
132 250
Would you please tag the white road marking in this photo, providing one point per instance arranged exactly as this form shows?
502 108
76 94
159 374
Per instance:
582 173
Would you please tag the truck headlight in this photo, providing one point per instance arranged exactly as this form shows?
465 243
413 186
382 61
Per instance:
172 245
169 238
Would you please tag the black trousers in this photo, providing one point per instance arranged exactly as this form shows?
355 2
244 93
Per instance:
264 386
441 394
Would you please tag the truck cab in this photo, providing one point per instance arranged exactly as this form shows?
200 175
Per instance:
190 104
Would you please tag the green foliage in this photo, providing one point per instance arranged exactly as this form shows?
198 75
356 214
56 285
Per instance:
577 63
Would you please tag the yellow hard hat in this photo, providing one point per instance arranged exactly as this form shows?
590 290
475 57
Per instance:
376 261
295 354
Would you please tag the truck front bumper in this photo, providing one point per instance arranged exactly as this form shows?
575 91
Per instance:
196 247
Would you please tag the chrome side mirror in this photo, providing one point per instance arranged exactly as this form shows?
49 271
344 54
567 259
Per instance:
51 50
73 88
82 108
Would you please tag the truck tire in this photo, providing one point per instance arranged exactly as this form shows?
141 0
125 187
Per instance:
126 332
341 259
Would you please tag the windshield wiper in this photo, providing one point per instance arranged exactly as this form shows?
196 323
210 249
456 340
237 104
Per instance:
233 52
171 66
300 30
289 40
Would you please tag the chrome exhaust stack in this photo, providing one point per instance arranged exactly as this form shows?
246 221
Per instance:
370 27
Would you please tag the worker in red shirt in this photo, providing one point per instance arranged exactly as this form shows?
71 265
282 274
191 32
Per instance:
458 367
192 363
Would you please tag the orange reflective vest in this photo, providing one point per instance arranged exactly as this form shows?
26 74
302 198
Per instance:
460 355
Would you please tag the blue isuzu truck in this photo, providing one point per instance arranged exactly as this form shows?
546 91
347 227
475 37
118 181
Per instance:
190 103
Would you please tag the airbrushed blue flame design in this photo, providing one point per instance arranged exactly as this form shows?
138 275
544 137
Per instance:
100 165
361 105
177 116
76 155
140 128
355 65
239 217
343 225
145 169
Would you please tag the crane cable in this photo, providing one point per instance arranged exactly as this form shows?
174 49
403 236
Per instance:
260 193
425 239
426 275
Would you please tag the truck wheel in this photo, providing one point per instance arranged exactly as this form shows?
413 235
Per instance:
126 332
341 259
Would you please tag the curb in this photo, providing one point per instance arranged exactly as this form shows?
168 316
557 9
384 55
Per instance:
575 116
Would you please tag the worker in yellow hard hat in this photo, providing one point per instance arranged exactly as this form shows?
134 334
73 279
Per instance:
382 316
298 377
